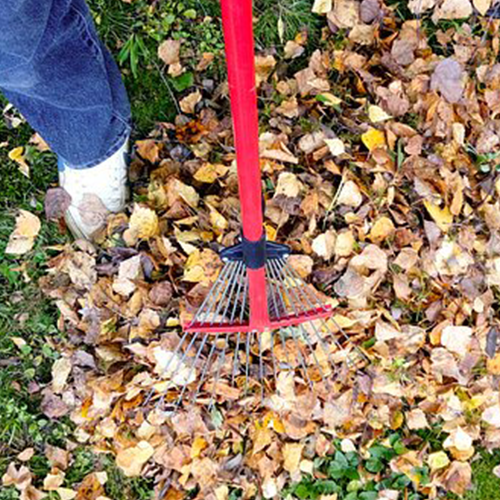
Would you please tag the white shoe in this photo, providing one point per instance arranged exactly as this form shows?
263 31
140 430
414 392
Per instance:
95 193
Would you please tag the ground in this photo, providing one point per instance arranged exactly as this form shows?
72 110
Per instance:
30 337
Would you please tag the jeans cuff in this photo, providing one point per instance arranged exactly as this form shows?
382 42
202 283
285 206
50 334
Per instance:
115 146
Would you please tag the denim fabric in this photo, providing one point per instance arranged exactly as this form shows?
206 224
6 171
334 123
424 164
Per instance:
56 71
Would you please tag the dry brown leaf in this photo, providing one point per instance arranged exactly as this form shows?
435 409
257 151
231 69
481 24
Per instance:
448 78
60 373
188 103
57 201
168 51
143 222
324 245
22 239
131 460
288 185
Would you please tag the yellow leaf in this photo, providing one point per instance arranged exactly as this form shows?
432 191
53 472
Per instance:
209 173
382 229
131 460
373 139
377 114
442 216
219 222
143 222
292 453
17 155
438 460
199 444
23 237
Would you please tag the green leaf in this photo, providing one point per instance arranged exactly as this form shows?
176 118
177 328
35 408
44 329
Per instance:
351 496
368 495
341 459
401 482
183 81
374 465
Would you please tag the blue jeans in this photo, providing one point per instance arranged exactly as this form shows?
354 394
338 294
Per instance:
59 75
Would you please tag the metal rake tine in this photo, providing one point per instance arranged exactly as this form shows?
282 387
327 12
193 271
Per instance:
247 360
318 336
231 284
296 312
283 343
192 367
311 305
222 356
203 310
304 332
271 293
224 293
261 367
206 366
291 330
341 330
238 337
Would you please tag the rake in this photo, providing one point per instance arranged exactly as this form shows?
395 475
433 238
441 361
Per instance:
260 317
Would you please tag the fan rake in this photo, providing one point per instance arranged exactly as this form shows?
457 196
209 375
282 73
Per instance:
260 317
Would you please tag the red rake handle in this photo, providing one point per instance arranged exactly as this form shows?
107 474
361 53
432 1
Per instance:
238 34
237 22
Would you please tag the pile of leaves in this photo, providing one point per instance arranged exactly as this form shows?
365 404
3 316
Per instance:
378 152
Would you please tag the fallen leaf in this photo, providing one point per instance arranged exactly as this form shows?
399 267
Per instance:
17 155
324 245
438 460
292 454
53 480
92 211
376 114
149 149
143 222
416 419
456 339
452 9
373 139
442 216
382 229
209 173
288 185
57 201
189 102
448 78
350 195
60 373
20 478
168 51
322 6
336 146
22 239
131 460
344 244
26 455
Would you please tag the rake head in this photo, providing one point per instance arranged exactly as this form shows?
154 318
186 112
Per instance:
226 353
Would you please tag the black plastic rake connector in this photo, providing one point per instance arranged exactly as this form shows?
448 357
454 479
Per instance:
255 254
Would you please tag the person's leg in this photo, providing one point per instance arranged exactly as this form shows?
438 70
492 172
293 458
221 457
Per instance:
55 70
